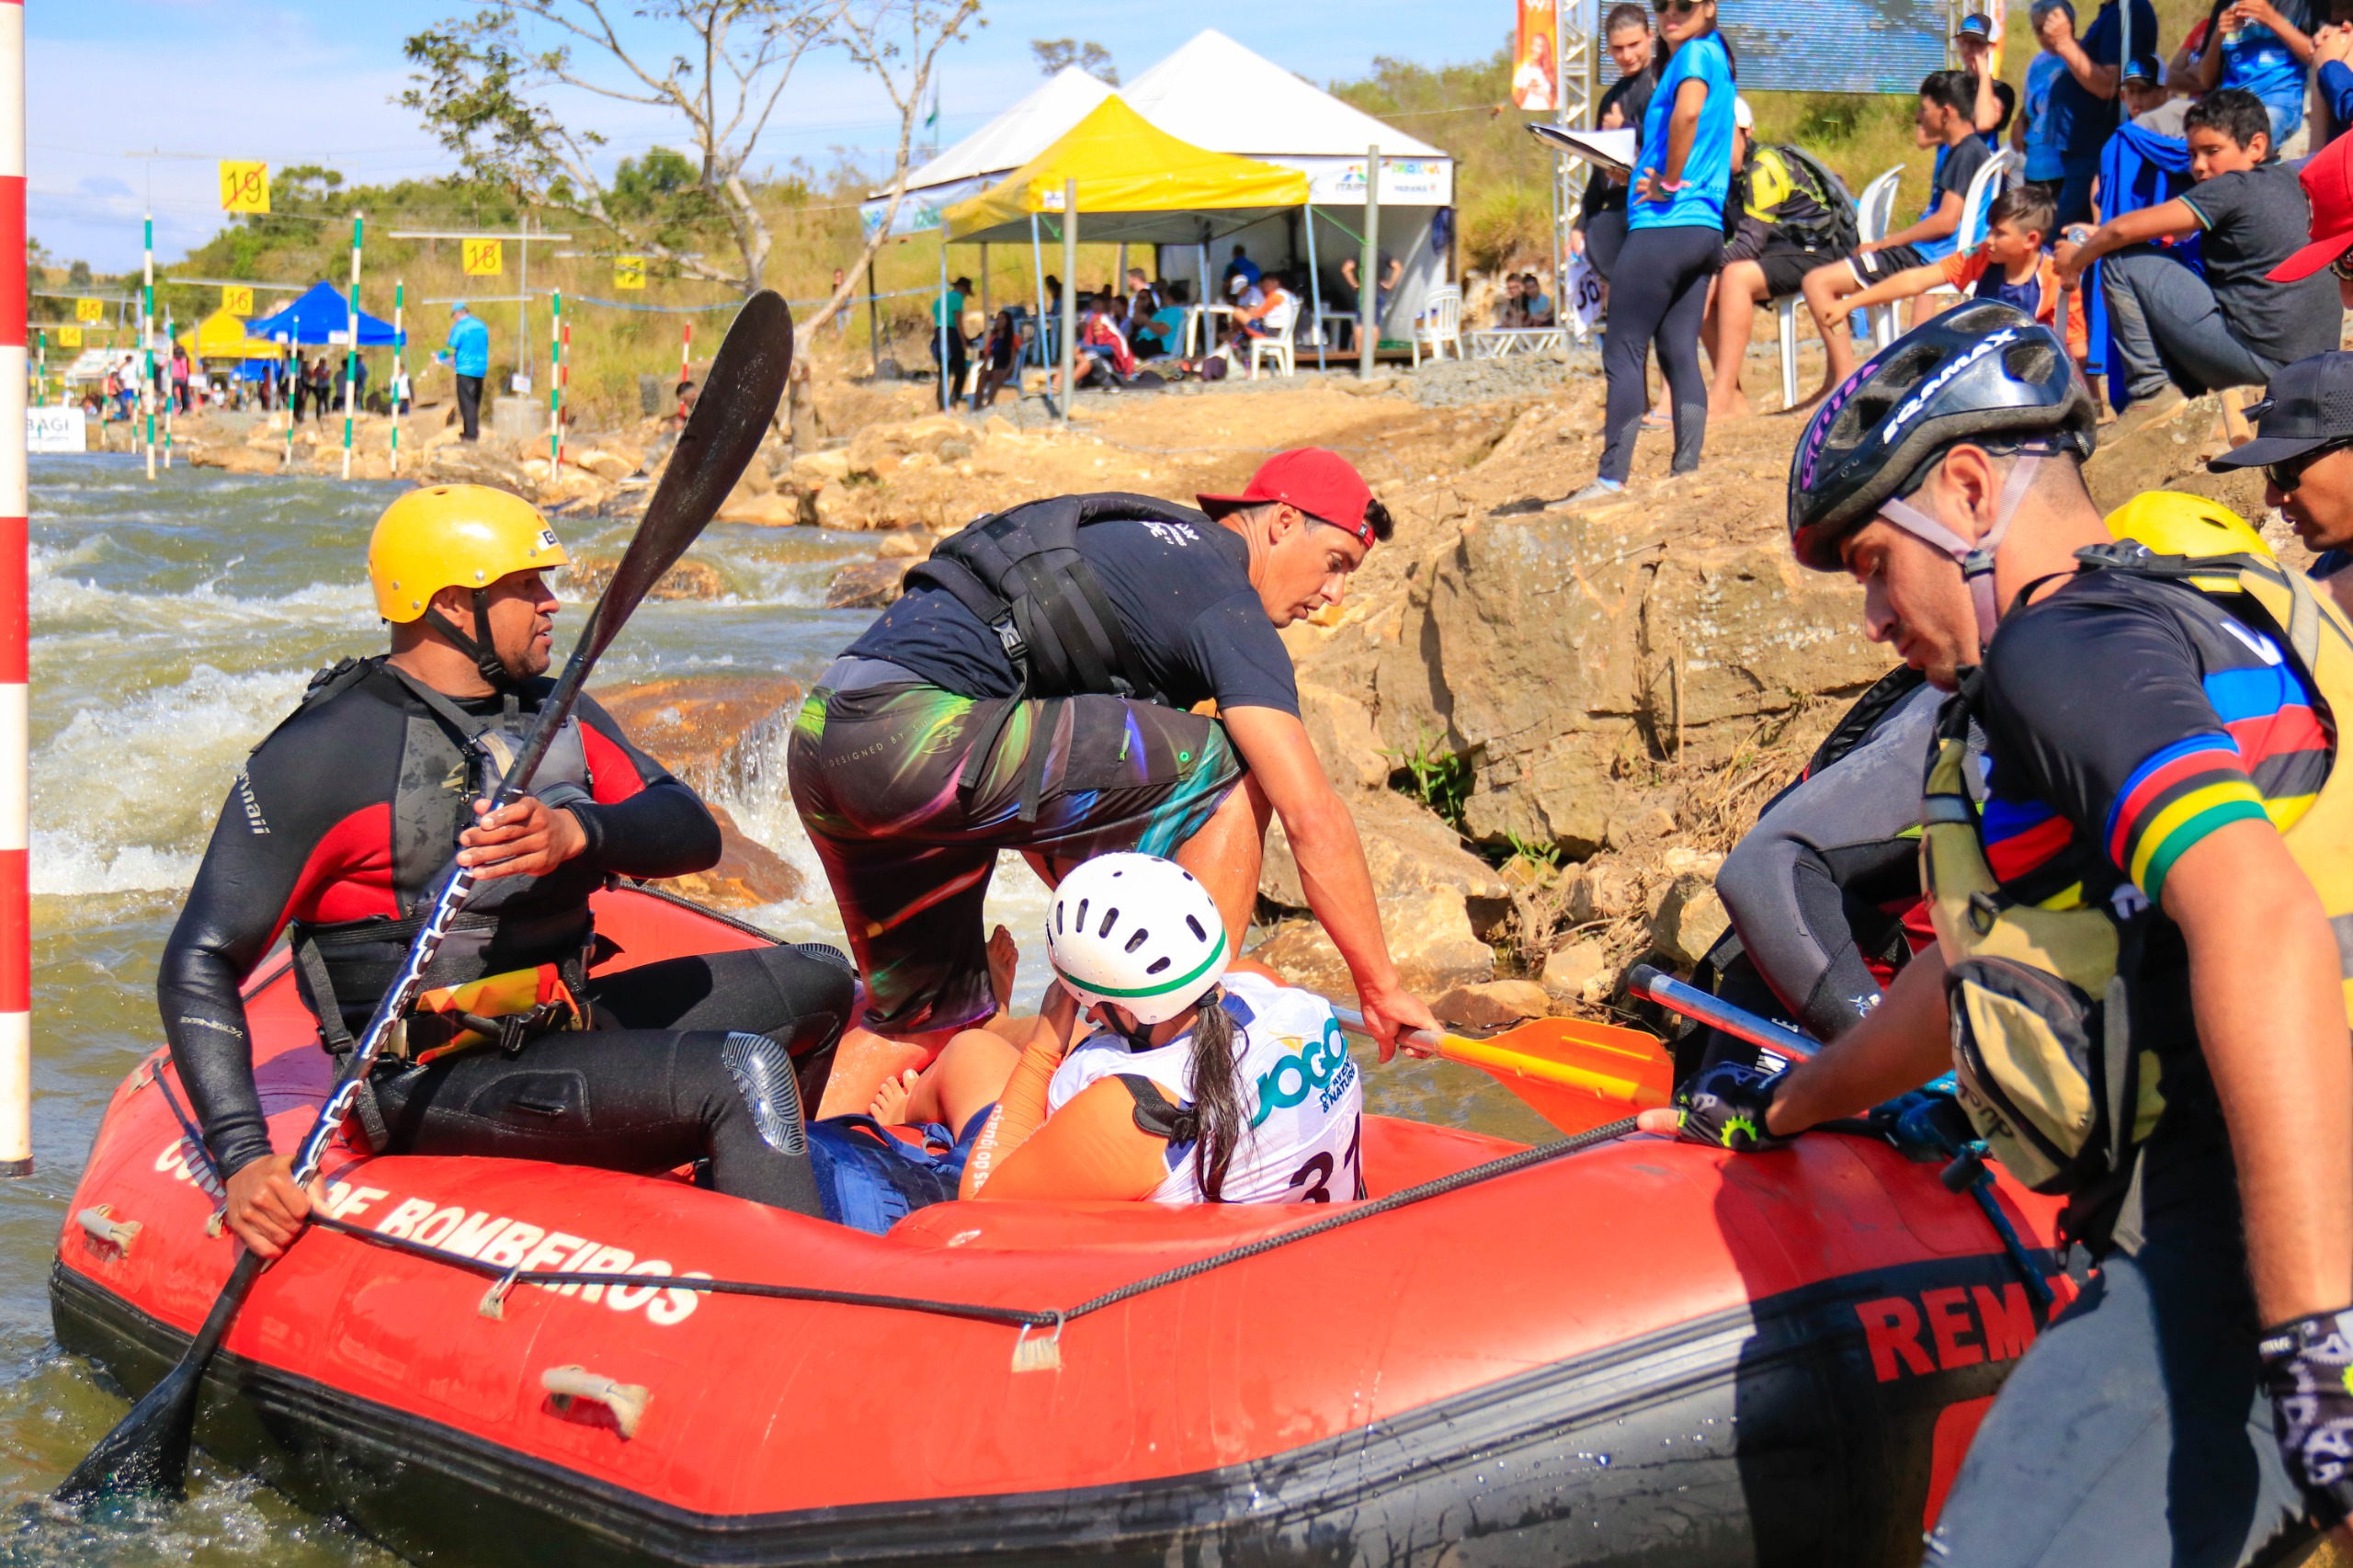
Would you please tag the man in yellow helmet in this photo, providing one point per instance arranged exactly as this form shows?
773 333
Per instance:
337 827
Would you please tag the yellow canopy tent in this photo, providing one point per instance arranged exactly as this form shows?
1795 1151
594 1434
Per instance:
221 335
1136 185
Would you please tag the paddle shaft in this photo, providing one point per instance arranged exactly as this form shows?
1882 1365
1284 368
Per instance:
1501 1060
1693 1003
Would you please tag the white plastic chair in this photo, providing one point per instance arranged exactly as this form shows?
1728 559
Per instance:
1980 196
1874 209
1278 345
1439 323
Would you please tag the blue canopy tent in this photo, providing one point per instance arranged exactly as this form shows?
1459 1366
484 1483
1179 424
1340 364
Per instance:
322 315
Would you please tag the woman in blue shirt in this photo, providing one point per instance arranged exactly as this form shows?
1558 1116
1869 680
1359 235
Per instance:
1674 244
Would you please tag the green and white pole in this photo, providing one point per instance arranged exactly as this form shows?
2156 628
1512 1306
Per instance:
351 347
400 298
147 345
555 379
41 379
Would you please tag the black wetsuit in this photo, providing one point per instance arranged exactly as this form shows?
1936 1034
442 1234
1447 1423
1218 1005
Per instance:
1823 893
339 824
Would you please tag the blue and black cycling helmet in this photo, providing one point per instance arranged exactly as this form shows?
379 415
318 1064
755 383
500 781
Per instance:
1985 371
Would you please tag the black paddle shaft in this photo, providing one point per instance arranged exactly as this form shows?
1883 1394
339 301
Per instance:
147 1450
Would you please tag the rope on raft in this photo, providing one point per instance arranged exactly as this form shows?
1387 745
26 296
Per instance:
1022 1317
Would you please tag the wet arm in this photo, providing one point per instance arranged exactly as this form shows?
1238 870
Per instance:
2266 987
1331 857
234 910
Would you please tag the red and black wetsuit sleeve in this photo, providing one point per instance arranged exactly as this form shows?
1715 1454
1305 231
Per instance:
306 833
643 823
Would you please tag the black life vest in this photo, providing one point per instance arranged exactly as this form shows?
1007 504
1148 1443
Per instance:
448 758
1020 573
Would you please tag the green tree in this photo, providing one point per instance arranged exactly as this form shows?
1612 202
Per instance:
1056 54
483 85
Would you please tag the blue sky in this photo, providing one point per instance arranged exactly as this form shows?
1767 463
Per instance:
309 81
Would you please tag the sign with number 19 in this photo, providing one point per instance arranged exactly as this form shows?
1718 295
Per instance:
245 188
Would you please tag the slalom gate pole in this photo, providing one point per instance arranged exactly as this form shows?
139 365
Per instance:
555 377
147 345
400 298
286 400
15 869
351 344
687 354
565 384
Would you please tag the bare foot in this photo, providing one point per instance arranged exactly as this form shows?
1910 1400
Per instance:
1732 405
1005 958
891 1096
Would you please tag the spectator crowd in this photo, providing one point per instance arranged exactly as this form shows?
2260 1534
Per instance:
2148 205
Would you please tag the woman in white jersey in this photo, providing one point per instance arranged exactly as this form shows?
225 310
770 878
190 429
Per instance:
1189 1091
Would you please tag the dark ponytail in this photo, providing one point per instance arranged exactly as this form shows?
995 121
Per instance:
1221 1115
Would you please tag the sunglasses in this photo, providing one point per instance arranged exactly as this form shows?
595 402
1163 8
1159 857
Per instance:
2343 266
1675 7
2285 476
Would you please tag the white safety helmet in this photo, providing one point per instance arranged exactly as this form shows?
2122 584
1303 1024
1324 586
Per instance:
1139 931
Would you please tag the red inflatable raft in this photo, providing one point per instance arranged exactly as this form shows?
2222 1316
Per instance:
1636 1352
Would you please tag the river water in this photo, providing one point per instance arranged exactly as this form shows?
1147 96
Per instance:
174 623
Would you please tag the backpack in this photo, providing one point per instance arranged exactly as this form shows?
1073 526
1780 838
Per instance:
1843 231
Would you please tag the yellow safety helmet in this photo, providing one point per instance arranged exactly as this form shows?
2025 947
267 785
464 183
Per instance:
2173 523
454 535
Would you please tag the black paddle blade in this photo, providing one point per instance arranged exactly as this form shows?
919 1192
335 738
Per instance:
147 1454
739 398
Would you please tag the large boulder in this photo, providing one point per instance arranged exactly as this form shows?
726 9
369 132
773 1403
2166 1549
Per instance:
868 585
721 734
1567 654
1436 901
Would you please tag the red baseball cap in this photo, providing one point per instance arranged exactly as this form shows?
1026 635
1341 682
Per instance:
2327 179
1320 482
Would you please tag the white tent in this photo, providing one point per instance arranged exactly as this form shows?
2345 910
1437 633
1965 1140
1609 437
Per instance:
1004 145
1216 93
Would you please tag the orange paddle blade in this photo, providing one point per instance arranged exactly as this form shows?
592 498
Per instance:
1576 1076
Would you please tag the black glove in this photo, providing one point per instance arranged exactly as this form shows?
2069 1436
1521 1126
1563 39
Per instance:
2306 1368
1724 1106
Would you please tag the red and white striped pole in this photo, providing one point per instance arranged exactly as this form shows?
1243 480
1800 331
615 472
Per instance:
15 868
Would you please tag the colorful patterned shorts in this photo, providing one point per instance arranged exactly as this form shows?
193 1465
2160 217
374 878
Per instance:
908 843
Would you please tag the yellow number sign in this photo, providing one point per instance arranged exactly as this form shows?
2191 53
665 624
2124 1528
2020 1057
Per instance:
89 310
629 272
237 300
484 258
69 337
245 188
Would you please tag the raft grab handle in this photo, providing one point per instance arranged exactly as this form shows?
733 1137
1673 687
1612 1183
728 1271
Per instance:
626 1400
1030 1355
107 1230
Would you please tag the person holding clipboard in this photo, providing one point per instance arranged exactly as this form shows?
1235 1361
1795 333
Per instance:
1673 243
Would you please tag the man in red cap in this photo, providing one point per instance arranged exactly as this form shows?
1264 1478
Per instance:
1042 685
